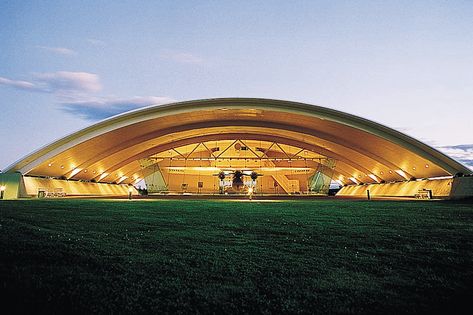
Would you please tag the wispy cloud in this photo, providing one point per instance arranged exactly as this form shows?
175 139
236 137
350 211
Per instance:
65 83
95 109
22 85
58 50
462 153
181 57
61 83
75 93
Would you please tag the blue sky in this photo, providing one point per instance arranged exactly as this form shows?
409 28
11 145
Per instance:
405 64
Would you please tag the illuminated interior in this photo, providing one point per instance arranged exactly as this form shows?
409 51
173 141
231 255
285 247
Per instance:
213 166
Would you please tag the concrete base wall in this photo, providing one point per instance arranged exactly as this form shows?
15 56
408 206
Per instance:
462 188
18 186
57 187
11 184
440 189
451 188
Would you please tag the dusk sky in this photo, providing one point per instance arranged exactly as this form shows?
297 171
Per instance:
67 64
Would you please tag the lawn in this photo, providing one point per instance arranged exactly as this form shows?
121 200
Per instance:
171 256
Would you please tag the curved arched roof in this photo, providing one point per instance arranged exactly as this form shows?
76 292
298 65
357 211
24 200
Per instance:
363 149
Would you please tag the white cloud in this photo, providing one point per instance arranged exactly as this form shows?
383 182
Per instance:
75 93
65 83
23 85
59 50
96 108
182 57
62 83
462 153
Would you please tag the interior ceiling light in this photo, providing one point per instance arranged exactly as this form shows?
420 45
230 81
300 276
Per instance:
103 176
121 179
402 173
74 172
373 177
353 179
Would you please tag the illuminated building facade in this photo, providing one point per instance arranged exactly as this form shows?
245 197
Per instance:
231 145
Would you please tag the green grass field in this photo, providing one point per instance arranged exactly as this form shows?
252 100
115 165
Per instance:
318 256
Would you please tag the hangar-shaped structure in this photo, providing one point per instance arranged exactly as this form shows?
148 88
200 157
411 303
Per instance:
232 145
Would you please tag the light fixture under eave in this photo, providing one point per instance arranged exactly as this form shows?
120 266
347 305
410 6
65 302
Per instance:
373 177
402 174
440 177
102 176
353 179
74 172
193 168
122 179
280 169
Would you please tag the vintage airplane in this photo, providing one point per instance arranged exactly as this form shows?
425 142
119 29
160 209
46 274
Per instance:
237 181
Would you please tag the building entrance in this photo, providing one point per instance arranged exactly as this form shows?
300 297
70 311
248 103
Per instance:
238 167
